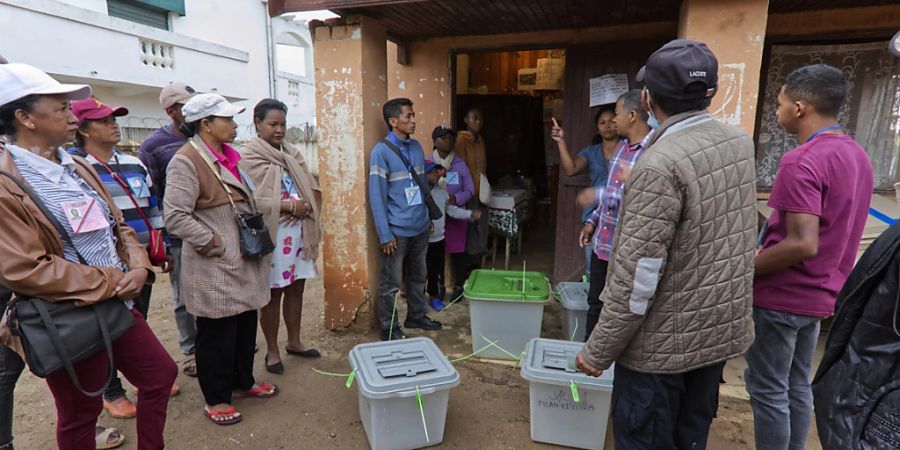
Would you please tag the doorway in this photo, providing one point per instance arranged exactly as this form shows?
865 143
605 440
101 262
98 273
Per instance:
517 92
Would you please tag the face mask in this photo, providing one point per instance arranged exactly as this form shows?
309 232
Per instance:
651 121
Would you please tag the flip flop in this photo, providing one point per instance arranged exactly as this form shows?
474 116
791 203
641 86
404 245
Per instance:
309 353
261 390
102 435
190 367
212 415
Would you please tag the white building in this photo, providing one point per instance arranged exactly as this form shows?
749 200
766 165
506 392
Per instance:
127 50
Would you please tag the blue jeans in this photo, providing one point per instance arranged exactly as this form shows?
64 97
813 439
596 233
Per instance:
779 367
11 366
187 325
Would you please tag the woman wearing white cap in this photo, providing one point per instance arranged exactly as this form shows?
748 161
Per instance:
97 257
205 190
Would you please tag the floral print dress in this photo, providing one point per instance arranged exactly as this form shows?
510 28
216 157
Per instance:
288 264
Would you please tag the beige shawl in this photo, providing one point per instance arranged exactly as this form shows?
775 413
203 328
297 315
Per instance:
265 165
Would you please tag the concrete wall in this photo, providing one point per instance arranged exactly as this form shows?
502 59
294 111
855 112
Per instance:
217 47
351 86
301 100
736 32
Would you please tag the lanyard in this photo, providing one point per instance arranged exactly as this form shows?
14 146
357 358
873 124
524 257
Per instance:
818 132
404 148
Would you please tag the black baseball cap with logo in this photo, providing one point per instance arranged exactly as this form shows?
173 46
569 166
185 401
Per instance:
676 65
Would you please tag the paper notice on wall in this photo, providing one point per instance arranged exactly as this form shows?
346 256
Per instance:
606 89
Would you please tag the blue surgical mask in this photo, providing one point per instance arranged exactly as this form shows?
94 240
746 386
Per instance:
651 121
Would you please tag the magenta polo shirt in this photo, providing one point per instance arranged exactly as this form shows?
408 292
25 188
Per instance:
229 159
830 177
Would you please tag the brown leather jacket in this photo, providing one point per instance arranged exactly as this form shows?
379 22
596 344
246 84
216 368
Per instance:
32 261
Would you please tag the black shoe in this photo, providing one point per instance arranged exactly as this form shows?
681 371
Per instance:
397 334
311 353
424 323
277 368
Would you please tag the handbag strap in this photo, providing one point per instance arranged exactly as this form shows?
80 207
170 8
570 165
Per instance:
115 176
215 172
63 352
412 170
49 324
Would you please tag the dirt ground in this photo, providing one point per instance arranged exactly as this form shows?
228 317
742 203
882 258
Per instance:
489 409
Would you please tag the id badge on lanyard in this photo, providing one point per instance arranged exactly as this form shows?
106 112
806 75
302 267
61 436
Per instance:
138 187
413 194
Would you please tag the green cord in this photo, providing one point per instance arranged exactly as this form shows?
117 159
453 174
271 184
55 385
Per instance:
349 376
393 313
474 353
454 301
422 413
575 330
494 344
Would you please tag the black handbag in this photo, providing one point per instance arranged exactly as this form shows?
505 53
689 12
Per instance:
253 234
56 335
434 213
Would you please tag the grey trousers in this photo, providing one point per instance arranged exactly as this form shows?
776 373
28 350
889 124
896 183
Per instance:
187 325
407 263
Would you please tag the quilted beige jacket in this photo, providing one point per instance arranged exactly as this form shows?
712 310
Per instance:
679 289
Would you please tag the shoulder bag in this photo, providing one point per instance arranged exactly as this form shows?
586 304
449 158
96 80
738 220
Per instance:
254 237
56 335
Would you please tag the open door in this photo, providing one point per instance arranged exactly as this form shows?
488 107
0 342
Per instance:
584 62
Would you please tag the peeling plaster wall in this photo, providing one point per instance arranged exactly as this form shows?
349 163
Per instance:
735 31
426 81
350 88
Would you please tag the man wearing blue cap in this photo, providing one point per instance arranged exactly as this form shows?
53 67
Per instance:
678 297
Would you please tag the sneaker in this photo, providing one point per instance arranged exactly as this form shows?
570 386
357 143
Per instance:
424 323
437 304
397 334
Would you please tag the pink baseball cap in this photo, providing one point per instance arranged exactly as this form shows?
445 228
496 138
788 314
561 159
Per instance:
93 109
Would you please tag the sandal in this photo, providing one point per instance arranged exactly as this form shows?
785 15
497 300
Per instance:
190 367
102 437
262 390
121 408
215 416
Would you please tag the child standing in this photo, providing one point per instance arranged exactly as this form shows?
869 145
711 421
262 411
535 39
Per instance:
434 260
